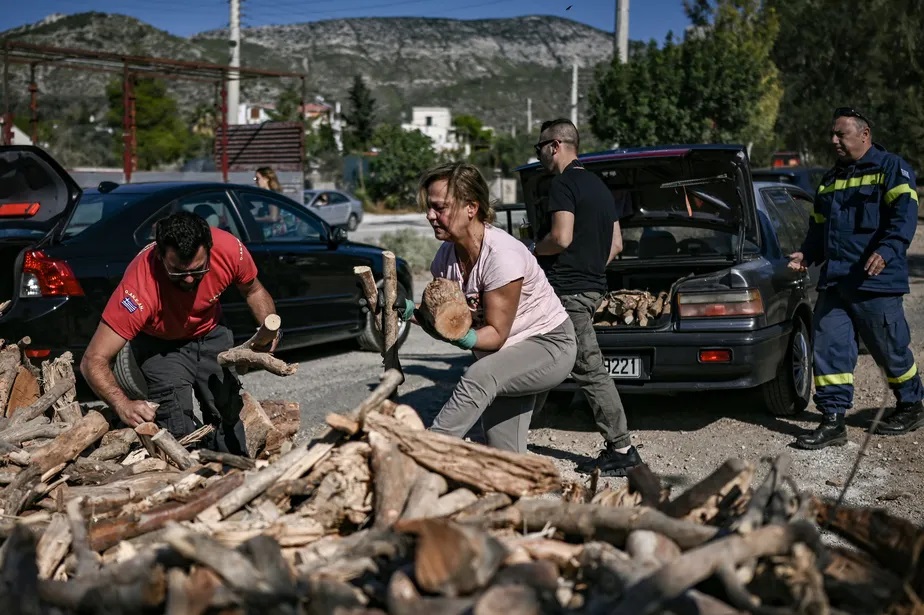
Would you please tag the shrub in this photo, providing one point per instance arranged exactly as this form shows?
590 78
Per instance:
414 247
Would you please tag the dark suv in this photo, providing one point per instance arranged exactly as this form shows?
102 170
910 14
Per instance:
716 242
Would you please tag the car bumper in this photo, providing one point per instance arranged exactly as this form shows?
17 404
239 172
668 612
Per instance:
670 359
53 324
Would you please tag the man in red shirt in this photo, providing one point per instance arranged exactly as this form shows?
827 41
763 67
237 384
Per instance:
167 306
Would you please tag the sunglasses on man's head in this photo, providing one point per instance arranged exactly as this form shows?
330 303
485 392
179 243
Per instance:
850 112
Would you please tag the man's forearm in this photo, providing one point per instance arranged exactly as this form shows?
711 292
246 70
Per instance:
548 246
99 376
261 304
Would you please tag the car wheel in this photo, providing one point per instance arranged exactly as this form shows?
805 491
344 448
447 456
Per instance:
789 393
371 339
352 223
128 374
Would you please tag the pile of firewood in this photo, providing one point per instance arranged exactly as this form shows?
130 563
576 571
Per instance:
378 515
631 307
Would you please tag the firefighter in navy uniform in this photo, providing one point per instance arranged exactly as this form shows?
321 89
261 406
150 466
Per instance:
864 218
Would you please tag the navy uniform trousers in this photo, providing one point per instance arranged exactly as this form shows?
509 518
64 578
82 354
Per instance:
843 313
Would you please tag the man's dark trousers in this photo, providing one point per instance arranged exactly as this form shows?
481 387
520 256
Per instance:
175 370
843 313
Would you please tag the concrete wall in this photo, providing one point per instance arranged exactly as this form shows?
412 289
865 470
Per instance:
292 182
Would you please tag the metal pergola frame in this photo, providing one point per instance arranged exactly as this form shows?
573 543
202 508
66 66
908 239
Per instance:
130 66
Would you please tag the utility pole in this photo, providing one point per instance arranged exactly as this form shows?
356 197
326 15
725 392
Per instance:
529 116
621 32
574 93
234 77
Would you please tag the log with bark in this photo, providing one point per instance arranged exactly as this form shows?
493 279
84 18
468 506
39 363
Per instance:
444 308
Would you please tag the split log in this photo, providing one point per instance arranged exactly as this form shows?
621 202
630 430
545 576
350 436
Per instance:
694 566
367 281
249 360
117 493
452 559
394 475
390 295
343 493
66 446
146 433
10 360
53 545
452 502
69 413
39 427
180 489
174 451
425 489
257 425
197 435
114 445
408 417
109 532
482 467
229 459
58 370
591 522
25 391
757 510
404 599
488 503
87 562
647 484
705 501
44 402
444 307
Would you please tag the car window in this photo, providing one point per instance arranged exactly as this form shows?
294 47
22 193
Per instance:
336 197
213 206
94 207
281 221
787 219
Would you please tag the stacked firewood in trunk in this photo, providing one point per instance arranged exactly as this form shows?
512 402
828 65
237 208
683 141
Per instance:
631 307
378 515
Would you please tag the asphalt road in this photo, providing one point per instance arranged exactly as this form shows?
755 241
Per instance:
374 225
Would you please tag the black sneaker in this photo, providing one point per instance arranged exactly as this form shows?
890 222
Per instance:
831 431
611 462
903 420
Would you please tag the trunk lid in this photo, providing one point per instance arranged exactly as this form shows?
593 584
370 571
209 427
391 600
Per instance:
697 186
36 193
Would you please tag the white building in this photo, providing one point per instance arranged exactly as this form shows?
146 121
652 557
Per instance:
436 123
253 113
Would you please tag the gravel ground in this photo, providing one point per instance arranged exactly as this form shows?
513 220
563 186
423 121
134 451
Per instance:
681 438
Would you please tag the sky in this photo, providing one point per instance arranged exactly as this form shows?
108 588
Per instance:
648 19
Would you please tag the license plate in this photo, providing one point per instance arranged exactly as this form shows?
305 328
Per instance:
623 367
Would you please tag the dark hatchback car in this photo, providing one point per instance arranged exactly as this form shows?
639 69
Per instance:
701 230
807 178
64 250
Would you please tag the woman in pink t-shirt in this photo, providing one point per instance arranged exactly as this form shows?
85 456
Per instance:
521 335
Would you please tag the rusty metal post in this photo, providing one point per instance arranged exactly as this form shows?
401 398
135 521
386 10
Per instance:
304 113
224 128
128 125
33 103
6 138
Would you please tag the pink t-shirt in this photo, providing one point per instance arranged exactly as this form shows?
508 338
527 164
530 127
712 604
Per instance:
504 259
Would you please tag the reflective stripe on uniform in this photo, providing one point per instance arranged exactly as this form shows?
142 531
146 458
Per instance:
823 381
817 217
906 376
899 190
853 182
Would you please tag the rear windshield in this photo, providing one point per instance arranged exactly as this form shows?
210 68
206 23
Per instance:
94 207
657 242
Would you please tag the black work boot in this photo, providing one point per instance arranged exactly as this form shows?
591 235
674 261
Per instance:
611 462
830 432
905 419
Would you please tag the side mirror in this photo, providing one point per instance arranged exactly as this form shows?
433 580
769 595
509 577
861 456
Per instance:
338 234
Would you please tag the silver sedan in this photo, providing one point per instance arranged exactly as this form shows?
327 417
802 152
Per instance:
338 209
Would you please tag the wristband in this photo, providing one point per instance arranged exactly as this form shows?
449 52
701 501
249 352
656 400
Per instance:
467 342
408 310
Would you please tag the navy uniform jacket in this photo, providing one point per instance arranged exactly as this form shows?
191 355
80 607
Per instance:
863 207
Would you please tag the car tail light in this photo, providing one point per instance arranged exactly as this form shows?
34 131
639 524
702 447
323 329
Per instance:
43 276
719 304
19 210
37 354
715 356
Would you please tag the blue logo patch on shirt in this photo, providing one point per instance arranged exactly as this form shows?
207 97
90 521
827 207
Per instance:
129 305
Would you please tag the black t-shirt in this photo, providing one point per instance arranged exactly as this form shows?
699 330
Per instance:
581 267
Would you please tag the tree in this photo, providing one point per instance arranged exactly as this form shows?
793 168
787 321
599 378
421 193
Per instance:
403 156
288 106
360 119
162 137
472 131
717 85
321 149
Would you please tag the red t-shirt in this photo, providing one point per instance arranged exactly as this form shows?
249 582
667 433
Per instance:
146 301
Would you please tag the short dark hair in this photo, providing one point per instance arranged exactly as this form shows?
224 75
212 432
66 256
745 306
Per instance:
859 118
562 129
185 232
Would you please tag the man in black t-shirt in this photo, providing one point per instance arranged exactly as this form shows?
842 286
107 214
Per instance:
579 236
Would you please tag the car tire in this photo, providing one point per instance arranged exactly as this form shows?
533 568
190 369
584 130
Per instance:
352 222
128 375
790 391
371 339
